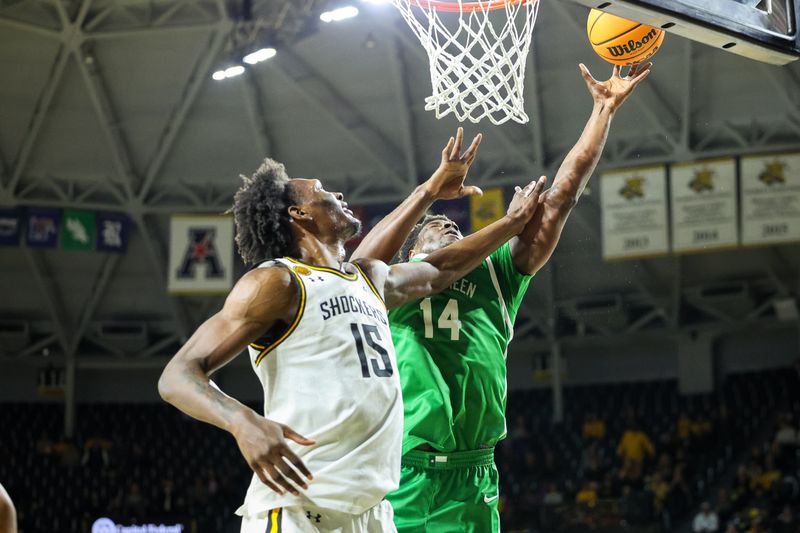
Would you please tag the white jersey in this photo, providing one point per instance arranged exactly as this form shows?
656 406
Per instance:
332 377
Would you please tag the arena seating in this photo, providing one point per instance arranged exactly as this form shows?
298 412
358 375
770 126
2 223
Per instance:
148 463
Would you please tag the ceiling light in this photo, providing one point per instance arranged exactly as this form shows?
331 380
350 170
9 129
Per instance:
219 75
339 14
235 70
259 55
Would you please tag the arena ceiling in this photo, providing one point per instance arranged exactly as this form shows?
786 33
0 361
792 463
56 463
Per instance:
110 105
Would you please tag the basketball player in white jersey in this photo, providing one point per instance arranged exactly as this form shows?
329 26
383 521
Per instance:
327 449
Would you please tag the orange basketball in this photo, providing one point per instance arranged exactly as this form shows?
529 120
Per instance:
622 41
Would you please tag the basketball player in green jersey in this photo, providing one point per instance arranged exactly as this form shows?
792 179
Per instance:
451 347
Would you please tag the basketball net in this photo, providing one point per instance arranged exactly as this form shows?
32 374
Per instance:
477 61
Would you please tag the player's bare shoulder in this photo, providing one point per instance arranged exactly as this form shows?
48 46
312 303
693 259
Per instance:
267 292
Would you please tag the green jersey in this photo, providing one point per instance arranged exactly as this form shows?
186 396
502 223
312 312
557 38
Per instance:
451 353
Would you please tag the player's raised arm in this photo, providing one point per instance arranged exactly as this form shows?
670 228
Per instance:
447 183
409 281
259 300
534 246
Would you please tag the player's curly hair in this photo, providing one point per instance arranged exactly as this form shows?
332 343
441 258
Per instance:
402 255
260 211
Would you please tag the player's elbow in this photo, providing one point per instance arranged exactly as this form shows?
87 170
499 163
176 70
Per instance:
166 387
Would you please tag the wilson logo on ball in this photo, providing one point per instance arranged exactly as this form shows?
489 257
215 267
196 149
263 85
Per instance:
631 46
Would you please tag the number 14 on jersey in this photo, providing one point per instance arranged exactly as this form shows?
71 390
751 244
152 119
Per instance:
448 319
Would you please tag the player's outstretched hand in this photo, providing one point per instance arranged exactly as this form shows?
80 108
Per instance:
263 444
447 183
615 90
526 201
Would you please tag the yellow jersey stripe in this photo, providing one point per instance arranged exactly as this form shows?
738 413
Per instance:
300 308
274 520
369 282
348 277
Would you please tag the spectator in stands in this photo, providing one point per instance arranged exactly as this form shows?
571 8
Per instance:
701 430
8 515
591 464
553 497
634 447
659 489
683 429
66 450
768 475
679 496
135 504
786 441
741 490
786 522
594 428
587 495
724 507
96 452
706 520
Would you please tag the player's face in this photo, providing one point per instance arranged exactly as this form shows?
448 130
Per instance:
327 209
437 234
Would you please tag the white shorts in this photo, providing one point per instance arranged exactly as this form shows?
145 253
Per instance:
309 519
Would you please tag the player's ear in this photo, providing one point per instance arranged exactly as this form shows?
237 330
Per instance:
298 213
411 254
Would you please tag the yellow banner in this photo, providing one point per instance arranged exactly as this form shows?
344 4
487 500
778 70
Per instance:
484 210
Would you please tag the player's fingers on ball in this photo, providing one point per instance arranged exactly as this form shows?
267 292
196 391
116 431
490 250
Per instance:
616 71
640 76
290 473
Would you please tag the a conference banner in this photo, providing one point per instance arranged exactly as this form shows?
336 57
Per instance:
78 230
770 199
703 205
200 254
10 224
43 227
113 230
634 217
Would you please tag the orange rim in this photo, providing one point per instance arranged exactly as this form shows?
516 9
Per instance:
453 6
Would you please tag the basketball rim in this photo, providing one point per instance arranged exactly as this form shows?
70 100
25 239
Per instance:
455 6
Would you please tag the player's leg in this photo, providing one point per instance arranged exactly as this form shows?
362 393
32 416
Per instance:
412 500
379 519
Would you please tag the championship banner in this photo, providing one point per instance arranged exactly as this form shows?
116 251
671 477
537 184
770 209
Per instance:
703 205
770 199
486 209
42 229
200 254
634 220
113 230
77 230
10 227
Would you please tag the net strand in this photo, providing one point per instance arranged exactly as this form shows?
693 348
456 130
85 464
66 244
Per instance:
478 69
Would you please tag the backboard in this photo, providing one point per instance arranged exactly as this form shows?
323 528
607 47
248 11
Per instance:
764 30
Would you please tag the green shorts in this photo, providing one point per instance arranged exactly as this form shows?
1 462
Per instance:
447 493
